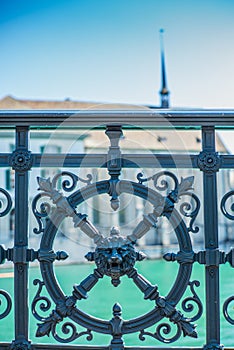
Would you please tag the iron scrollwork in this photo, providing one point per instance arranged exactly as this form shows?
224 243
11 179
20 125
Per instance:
166 329
187 209
166 309
69 185
228 213
8 307
188 304
227 304
226 307
5 209
48 324
115 256
183 324
49 189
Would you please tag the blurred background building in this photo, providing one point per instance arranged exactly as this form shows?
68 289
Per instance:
132 208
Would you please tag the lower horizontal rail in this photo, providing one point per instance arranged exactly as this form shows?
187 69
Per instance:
6 346
82 347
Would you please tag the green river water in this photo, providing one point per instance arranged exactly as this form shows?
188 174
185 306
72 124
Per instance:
103 296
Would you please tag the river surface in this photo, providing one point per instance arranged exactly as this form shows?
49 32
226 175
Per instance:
104 295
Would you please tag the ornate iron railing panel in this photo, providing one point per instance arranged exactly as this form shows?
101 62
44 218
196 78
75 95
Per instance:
115 255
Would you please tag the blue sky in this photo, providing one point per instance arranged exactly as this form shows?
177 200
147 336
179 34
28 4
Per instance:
108 51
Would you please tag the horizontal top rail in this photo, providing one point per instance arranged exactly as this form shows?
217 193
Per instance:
127 118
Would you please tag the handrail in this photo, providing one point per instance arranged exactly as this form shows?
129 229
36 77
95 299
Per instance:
223 118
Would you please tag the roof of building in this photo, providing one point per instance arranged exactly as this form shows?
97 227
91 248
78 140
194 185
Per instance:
151 140
9 102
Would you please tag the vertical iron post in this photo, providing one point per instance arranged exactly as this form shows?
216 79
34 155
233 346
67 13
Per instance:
21 163
209 163
114 162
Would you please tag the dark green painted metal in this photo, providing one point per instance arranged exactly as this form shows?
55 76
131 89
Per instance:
208 161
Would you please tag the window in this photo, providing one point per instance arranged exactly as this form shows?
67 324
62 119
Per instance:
10 179
50 172
95 211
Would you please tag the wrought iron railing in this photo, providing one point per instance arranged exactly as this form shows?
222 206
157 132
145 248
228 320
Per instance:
115 255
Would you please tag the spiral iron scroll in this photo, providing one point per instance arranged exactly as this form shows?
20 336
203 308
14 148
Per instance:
45 208
49 324
188 209
4 210
8 307
228 212
188 304
8 204
226 308
182 324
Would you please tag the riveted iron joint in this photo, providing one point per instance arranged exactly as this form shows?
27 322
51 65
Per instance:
17 255
213 257
24 255
51 256
181 257
210 257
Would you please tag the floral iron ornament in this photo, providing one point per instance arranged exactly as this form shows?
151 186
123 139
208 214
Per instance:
115 256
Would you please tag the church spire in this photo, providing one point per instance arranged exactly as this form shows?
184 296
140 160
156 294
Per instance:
164 92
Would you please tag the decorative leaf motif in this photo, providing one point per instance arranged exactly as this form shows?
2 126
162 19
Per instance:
185 184
63 309
44 184
176 317
49 323
173 197
188 329
44 329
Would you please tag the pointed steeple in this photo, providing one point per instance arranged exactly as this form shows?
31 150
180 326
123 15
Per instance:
164 92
